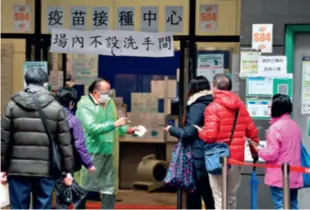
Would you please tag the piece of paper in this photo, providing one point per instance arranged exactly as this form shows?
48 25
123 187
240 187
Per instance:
56 79
22 18
141 131
258 108
85 68
6 74
209 65
208 17
283 86
305 86
262 35
247 151
158 88
248 63
112 42
259 86
144 102
272 66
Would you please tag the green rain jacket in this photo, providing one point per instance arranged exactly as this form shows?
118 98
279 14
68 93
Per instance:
102 141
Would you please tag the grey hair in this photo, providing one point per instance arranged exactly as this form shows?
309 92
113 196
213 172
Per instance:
36 76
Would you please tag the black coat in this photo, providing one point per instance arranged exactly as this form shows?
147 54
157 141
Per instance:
195 116
25 147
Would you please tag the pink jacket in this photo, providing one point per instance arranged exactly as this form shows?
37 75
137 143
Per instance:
283 146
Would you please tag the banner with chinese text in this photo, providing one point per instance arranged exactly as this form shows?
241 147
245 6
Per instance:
112 42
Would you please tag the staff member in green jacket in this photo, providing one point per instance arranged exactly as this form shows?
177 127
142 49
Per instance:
98 114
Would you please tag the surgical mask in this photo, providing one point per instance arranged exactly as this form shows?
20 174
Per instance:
104 98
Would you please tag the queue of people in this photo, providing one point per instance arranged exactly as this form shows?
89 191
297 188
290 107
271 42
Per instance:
213 115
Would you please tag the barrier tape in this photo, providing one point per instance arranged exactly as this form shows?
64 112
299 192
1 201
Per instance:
299 169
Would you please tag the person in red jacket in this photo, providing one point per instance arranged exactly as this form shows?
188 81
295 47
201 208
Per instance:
218 122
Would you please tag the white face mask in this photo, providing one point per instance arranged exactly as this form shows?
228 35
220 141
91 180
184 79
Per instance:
45 85
104 98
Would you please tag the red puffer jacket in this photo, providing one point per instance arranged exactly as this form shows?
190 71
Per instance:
218 122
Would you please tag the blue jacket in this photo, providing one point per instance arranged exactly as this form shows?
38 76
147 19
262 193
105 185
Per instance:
194 116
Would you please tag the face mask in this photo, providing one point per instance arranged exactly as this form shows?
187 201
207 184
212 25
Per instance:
104 98
45 85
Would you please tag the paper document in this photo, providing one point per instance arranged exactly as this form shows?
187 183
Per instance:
141 131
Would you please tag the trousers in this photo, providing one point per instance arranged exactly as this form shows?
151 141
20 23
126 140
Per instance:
277 197
234 179
21 188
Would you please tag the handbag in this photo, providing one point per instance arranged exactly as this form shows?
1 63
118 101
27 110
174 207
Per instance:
180 172
215 151
305 162
55 166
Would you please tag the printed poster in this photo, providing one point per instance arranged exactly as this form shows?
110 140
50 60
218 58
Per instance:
85 68
262 35
305 86
272 66
248 63
210 65
22 17
259 86
258 108
208 17
283 86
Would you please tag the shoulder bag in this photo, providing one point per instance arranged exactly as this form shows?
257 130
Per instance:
214 152
55 166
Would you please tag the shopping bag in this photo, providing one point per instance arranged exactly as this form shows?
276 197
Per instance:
180 172
305 162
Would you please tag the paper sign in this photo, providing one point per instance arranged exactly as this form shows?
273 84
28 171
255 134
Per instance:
258 108
78 17
209 65
247 151
262 37
35 65
272 66
305 86
55 17
283 86
22 17
101 18
144 102
248 63
174 19
56 79
208 17
125 17
85 68
141 131
149 19
112 42
259 86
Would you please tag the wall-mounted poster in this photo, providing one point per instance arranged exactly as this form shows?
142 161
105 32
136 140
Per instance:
258 108
305 86
262 37
22 17
248 63
85 68
259 86
272 66
208 17
210 64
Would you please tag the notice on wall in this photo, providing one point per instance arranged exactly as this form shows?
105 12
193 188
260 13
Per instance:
85 68
259 86
125 17
149 19
272 66
210 65
22 17
144 102
6 74
112 42
248 63
262 35
283 86
55 79
258 108
55 17
305 86
208 17
174 19
35 65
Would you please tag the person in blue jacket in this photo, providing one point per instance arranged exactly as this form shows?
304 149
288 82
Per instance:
199 97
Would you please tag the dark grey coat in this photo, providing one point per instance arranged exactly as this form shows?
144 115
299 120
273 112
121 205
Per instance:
25 147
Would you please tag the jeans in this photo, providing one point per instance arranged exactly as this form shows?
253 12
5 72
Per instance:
203 191
20 188
277 197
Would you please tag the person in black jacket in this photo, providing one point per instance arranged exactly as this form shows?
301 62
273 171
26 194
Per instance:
26 148
199 97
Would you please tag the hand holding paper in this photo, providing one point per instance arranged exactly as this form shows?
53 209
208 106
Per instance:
140 131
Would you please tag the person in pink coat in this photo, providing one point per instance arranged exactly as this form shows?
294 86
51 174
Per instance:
283 146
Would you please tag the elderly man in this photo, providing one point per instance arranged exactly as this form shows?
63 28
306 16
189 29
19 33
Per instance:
25 145
98 114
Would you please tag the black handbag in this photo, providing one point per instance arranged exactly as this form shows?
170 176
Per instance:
55 166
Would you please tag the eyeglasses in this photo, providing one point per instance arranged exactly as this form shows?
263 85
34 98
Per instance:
110 92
